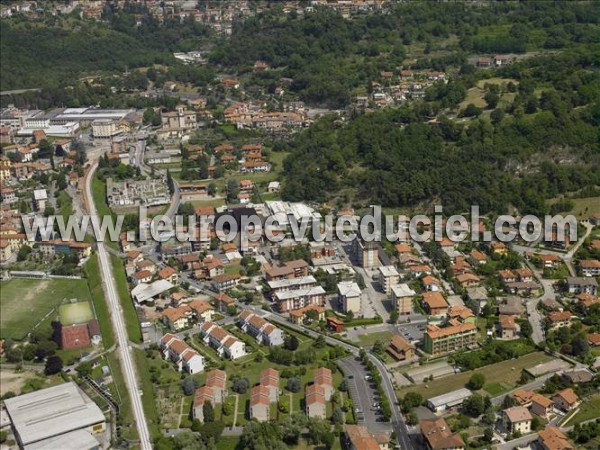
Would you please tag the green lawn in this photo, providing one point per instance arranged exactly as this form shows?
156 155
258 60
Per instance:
131 319
92 271
589 409
500 377
72 313
582 207
65 203
99 197
24 303
370 338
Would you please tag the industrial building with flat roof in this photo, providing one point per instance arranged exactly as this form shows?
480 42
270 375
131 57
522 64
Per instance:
49 413
449 400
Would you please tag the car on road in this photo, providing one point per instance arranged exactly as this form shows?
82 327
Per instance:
368 377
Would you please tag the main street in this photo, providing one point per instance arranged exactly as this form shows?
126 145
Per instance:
118 322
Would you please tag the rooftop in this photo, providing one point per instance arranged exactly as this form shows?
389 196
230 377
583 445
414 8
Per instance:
51 412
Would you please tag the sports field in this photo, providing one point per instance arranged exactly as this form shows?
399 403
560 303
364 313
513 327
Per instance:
71 313
24 303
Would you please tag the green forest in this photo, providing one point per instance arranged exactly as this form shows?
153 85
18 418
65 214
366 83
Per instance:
520 157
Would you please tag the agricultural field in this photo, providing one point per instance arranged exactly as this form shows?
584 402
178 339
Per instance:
26 303
500 377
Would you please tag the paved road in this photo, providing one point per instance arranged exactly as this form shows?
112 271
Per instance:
516 443
118 322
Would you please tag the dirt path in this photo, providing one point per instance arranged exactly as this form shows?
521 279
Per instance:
235 411
13 382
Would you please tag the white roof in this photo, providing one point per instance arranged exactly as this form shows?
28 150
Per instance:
348 289
274 184
40 194
51 412
402 290
278 284
315 290
450 398
388 271
75 440
144 292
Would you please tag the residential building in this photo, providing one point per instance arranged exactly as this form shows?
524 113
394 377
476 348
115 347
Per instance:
566 399
43 417
260 403
589 267
349 296
559 319
202 310
367 253
400 349
517 419
435 303
291 284
291 269
177 318
186 358
437 435
507 327
402 298
455 337
315 401
299 316
541 406
549 261
323 378
223 302
226 345
269 378
40 198
257 327
170 274
523 397
216 380
299 298
202 395
431 283
578 285
388 277
551 438
225 281
358 437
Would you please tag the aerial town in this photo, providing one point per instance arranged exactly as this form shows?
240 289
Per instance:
299 343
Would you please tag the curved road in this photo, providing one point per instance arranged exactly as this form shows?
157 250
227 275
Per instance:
118 322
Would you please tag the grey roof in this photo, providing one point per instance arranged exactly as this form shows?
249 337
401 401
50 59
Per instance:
582 281
144 292
51 412
75 440
450 398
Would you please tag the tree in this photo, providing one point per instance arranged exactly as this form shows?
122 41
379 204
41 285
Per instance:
526 329
488 434
170 182
14 355
508 402
23 253
240 385
337 416
84 369
189 385
473 405
496 116
491 98
208 412
317 429
394 315
54 364
476 381
378 347
320 342
294 384
291 342
411 400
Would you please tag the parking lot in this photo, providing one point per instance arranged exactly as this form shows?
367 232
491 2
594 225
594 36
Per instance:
363 395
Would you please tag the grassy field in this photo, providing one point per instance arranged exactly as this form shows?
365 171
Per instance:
99 196
589 409
500 377
72 313
369 339
582 207
92 271
475 94
26 302
131 319
148 400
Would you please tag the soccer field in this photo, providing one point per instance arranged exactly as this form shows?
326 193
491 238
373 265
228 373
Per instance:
72 313
24 303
